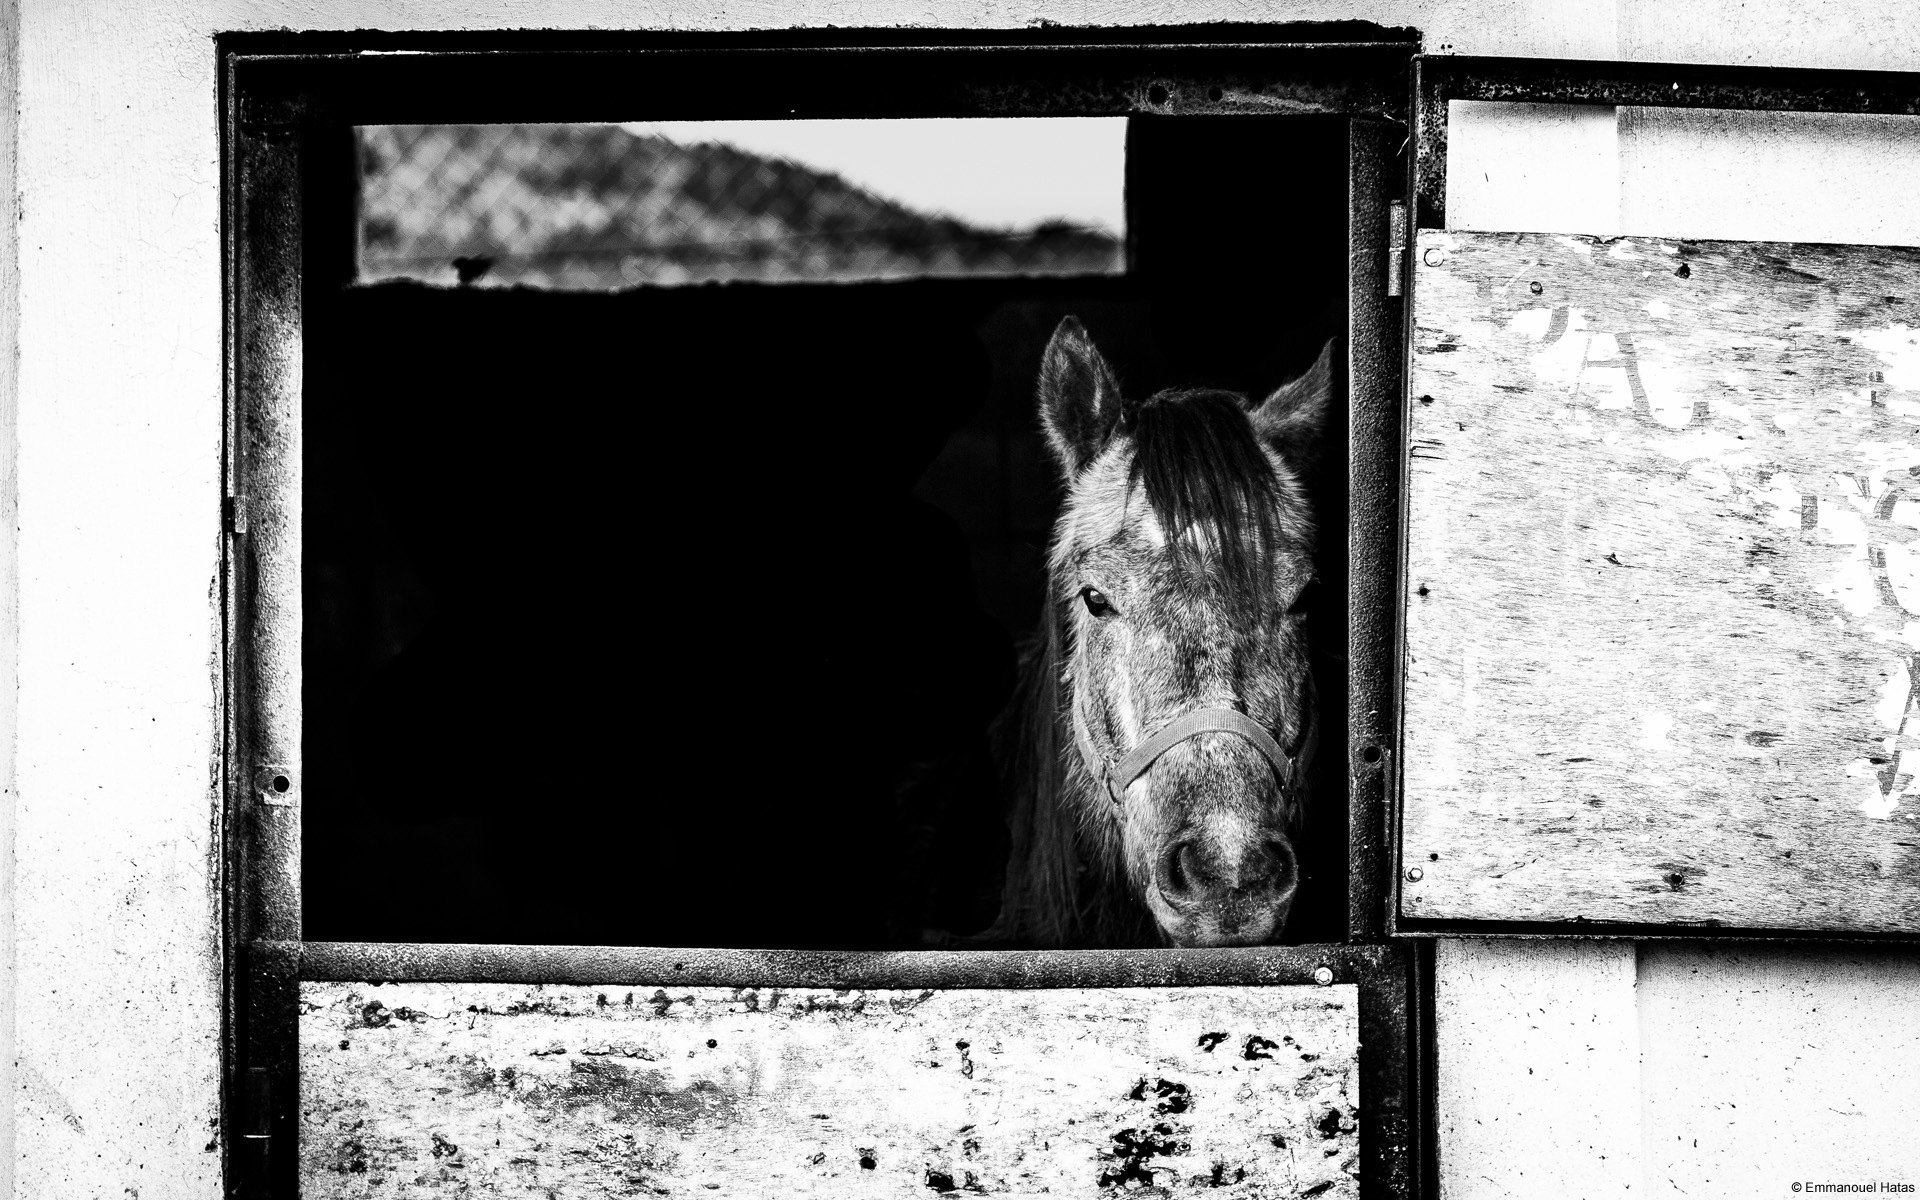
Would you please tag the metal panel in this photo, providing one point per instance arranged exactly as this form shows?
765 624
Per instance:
1390 1022
520 1090
1662 501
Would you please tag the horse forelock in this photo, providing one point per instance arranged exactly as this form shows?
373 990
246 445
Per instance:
1225 508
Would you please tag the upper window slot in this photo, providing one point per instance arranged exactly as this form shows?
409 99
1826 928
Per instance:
606 207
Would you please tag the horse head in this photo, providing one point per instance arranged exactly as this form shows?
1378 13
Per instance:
1179 577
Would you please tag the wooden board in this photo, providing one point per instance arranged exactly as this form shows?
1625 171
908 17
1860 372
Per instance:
1663 503
512 1090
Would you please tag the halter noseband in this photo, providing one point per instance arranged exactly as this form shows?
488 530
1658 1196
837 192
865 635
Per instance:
1286 766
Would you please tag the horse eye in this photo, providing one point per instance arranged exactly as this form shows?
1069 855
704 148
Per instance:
1307 599
1096 601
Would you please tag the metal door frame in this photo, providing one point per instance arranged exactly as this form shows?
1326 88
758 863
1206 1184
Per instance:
279 92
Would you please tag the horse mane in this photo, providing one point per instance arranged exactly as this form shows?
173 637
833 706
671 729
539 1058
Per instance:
1202 468
1064 886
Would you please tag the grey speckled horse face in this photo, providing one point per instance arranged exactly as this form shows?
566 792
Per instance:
1180 567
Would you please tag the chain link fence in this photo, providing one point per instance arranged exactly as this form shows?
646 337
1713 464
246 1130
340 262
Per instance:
596 207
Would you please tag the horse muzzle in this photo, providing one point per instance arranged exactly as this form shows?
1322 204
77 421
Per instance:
1206 892
1228 885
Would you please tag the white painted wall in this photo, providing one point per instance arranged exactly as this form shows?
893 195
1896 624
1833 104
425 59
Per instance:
1531 1095
1760 1066
9 560
1589 1069
1808 177
110 327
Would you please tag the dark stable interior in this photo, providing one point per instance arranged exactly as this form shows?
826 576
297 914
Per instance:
678 616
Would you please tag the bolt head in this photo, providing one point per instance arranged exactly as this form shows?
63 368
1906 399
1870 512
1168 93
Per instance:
1414 874
1433 256
1323 975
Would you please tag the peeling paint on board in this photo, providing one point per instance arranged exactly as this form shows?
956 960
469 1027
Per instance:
1672 532
511 1090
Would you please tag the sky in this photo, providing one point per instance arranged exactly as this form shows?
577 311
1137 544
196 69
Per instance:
997 172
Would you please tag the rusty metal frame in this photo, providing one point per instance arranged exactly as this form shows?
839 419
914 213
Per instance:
1394 1005
416 962
1439 79
282 94
262 614
348 79
1376 407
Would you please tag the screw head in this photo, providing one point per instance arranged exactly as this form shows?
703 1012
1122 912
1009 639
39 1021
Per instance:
1414 874
1433 256
1323 975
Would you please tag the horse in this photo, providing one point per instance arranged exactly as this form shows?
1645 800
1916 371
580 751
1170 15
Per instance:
1155 754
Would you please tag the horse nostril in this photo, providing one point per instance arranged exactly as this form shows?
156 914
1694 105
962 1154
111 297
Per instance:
1285 869
1173 873
1185 870
1193 871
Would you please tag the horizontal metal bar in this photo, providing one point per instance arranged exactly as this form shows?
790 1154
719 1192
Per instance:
1670 85
467 86
1588 931
1049 36
834 47
1264 966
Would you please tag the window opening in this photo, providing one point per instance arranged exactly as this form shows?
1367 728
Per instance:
683 615
602 207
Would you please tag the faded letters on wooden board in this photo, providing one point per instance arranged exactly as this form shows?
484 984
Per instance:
1663 592
523 1091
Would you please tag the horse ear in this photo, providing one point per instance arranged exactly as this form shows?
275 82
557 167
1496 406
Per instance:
1079 396
1293 419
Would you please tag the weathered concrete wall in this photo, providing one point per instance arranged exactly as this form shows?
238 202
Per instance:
1765 1066
1533 1097
1807 177
1648 172
116 448
1508 163
9 544
1592 1069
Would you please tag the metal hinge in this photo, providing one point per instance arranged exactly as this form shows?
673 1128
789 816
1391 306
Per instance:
1396 247
236 513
